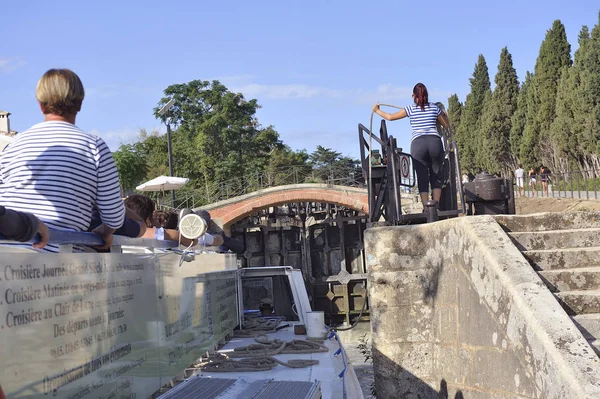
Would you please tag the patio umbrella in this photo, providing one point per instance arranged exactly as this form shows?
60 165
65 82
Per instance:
162 183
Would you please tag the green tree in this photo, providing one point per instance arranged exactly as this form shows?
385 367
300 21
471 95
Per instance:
554 55
519 119
154 147
287 166
563 126
455 109
586 98
496 120
131 165
467 132
217 136
329 165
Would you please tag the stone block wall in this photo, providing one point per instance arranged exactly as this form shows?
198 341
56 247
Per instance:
457 312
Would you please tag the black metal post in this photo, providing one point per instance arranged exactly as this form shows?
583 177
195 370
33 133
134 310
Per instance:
170 151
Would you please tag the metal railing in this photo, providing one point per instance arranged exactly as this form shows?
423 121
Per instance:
61 237
577 185
196 197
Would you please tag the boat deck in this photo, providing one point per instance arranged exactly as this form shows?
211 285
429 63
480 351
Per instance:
333 372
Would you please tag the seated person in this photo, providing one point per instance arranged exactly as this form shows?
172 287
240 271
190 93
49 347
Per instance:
133 225
20 226
144 207
165 219
59 172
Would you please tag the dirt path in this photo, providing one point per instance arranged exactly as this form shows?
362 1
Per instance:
528 205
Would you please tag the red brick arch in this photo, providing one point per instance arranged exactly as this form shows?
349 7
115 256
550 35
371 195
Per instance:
230 211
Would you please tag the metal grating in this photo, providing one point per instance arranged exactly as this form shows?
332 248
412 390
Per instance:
196 388
289 390
217 388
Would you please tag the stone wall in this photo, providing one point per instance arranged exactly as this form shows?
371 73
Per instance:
458 312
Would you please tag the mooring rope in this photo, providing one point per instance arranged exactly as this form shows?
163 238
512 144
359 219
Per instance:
260 356
265 347
254 327
224 364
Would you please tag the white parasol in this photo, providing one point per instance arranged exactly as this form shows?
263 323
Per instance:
162 183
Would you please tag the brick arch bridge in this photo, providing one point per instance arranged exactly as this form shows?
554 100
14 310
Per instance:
229 211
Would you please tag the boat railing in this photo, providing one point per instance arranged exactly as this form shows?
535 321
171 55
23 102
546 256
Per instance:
65 238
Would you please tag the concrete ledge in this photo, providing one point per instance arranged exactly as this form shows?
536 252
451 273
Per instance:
549 221
457 310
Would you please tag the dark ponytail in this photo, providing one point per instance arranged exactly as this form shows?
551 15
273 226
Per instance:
421 95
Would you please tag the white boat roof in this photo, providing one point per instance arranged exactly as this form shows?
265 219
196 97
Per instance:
327 372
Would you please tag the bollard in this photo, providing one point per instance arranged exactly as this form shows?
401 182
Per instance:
432 212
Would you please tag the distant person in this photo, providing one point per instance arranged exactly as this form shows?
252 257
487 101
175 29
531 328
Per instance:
465 178
544 177
426 146
533 180
520 180
59 172
20 226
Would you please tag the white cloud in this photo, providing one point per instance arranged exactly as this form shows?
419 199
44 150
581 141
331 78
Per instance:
9 64
114 138
285 91
382 93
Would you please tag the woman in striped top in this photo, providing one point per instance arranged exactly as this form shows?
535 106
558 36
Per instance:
57 171
426 146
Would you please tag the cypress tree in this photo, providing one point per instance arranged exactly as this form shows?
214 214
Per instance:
518 119
479 140
562 128
555 53
467 133
496 119
455 109
587 98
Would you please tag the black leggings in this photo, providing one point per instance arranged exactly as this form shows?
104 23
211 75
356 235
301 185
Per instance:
428 161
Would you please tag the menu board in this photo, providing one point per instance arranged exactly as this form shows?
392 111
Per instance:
79 326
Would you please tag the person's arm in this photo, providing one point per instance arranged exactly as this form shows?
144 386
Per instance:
389 117
20 226
167 234
107 235
108 201
443 119
138 219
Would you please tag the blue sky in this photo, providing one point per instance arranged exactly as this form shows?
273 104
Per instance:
315 67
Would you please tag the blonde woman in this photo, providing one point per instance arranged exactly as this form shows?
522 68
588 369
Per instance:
57 171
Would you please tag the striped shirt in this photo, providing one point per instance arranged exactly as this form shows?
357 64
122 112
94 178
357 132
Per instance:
423 122
60 173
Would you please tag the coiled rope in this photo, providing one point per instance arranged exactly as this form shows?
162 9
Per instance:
224 364
254 327
266 347
259 356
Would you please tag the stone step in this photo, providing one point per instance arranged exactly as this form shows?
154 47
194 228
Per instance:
556 239
589 324
579 302
549 221
567 258
580 279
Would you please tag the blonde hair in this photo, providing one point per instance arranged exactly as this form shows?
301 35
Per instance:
60 92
